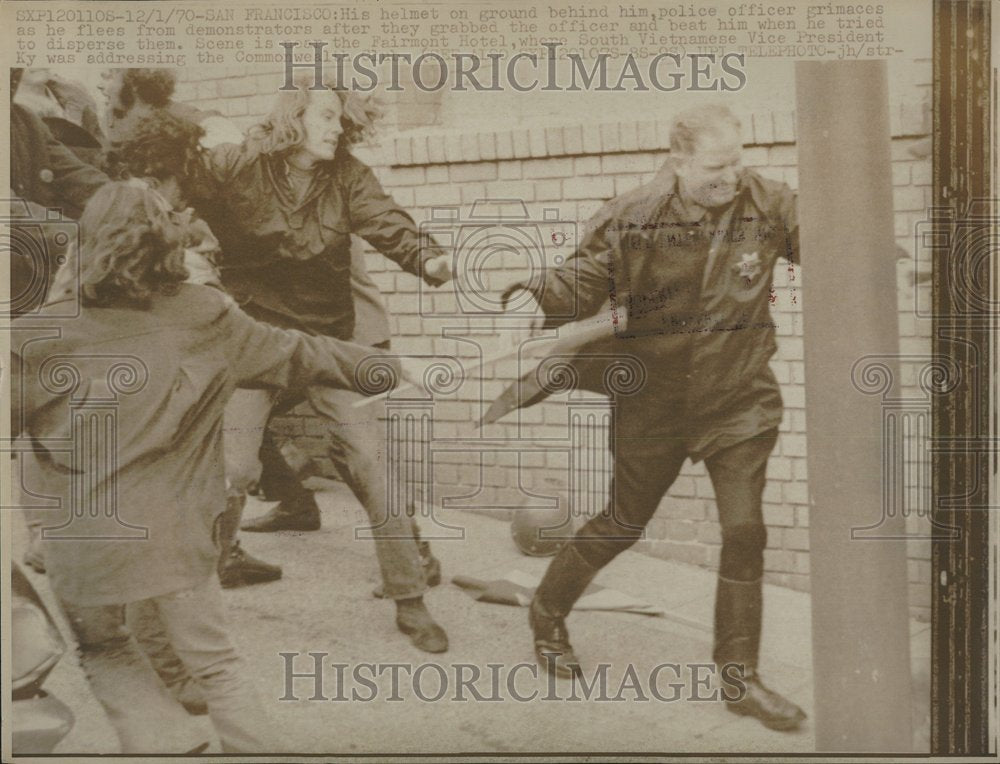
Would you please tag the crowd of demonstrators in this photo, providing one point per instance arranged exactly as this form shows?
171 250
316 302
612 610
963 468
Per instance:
254 299
320 261
149 136
139 607
133 96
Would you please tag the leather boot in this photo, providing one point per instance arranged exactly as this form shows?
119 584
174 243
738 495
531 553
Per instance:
300 514
414 620
236 567
565 580
428 562
738 613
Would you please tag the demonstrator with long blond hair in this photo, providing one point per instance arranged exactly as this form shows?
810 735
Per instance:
284 205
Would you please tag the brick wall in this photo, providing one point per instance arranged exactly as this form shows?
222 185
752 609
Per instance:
572 169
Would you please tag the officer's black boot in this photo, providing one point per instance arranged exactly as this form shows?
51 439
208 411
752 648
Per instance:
565 580
236 567
738 612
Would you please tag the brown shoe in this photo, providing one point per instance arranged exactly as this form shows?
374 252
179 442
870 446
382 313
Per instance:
237 568
413 620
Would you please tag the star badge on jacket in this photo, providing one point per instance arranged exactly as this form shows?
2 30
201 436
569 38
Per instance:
748 267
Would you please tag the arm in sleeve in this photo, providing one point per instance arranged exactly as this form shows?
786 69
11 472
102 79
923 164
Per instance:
377 219
578 288
221 163
76 180
261 355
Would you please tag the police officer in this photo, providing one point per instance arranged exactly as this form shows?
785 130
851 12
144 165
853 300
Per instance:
690 256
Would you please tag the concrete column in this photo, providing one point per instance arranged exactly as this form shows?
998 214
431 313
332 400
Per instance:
861 654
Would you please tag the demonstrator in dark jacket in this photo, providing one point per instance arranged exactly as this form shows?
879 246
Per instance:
284 205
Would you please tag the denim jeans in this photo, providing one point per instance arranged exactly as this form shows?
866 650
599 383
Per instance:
145 716
145 625
244 422
358 449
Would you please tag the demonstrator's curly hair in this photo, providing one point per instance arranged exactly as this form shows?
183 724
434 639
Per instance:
281 130
154 87
161 145
129 248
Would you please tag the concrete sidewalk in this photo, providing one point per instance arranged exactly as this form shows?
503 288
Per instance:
324 604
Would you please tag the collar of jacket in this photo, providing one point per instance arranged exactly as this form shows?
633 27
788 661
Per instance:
277 170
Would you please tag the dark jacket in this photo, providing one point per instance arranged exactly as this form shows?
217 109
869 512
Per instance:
696 293
125 409
44 171
44 175
78 129
288 262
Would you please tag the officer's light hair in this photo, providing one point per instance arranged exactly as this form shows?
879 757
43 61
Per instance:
693 123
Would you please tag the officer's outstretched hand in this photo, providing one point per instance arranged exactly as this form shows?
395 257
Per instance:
439 268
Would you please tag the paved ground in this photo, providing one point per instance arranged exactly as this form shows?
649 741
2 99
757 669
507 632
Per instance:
323 604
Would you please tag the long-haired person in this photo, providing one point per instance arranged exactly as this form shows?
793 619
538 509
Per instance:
284 204
124 408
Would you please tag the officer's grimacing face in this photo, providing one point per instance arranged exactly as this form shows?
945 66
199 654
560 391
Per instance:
711 174
321 123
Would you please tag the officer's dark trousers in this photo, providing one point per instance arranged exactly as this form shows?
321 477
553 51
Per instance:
645 466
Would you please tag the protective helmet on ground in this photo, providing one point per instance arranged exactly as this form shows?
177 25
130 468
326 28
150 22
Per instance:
540 532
